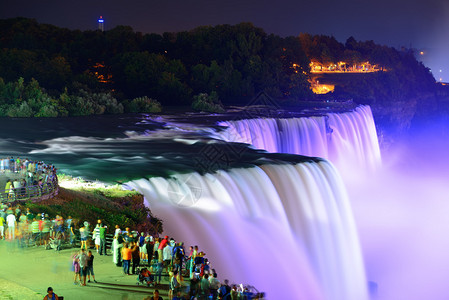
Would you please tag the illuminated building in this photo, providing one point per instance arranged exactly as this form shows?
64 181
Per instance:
101 23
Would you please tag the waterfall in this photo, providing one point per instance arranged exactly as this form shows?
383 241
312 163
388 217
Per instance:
286 229
346 139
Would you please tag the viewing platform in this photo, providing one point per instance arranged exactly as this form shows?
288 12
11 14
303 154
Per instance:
23 180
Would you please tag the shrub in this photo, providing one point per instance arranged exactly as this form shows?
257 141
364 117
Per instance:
207 103
22 111
144 105
47 111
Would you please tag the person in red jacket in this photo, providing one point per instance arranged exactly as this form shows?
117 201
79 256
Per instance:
161 247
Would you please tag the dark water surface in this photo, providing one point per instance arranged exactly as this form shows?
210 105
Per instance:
119 148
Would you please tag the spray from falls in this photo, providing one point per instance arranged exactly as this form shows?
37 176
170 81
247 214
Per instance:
286 229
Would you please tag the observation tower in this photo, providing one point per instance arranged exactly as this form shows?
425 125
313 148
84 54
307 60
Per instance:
101 23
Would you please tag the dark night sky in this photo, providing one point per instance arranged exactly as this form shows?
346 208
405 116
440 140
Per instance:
421 24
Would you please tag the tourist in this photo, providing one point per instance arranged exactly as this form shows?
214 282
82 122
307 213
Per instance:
178 257
50 295
126 257
179 296
141 246
127 235
192 261
225 289
68 221
193 288
87 226
96 237
156 269
2 211
155 296
17 187
82 257
23 189
162 245
9 189
175 284
204 288
23 233
72 228
17 211
234 293
117 244
117 230
167 256
155 248
206 267
76 268
35 232
90 266
11 222
214 285
102 231
199 264
59 226
46 225
149 247
189 259
83 236
135 256
23 219
2 227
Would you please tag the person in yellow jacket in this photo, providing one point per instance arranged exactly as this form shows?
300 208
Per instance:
9 189
8 186
2 228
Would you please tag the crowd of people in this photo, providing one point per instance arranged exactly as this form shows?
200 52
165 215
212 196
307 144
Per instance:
27 228
29 178
150 258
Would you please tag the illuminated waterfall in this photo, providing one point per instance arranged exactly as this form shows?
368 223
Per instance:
346 139
286 229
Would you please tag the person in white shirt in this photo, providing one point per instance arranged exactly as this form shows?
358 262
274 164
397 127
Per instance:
167 254
117 230
82 257
11 222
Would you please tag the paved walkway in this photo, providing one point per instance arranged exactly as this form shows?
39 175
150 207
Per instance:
26 274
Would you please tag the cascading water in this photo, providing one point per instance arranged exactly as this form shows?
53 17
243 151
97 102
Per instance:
346 139
286 229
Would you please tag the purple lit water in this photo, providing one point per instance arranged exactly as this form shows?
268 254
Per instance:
400 210
286 229
348 140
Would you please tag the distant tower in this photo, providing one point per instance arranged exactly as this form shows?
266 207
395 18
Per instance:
101 23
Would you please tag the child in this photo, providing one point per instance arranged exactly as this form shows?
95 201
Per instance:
76 268
90 266
145 275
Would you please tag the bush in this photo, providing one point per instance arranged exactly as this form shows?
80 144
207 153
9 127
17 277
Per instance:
204 102
110 104
22 111
47 111
144 105
81 106
124 208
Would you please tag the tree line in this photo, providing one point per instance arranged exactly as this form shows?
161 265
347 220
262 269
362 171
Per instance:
57 71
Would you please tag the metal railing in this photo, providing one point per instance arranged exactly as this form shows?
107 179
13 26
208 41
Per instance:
31 192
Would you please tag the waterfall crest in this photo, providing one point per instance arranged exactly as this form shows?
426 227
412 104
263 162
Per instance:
346 139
